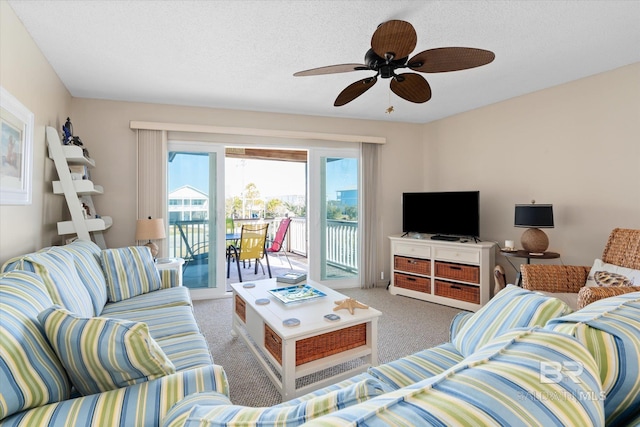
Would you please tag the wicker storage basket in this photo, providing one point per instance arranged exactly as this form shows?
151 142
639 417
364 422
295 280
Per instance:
241 308
466 273
273 343
457 291
412 265
313 348
415 283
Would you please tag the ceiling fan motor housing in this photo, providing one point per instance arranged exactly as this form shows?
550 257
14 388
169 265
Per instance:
382 66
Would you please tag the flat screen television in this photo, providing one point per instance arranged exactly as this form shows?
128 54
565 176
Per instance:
447 213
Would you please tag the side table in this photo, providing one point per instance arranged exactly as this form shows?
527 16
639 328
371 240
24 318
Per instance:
167 263
521 253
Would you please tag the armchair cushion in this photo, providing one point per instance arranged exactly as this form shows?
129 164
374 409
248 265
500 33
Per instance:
512 307
102 354
130 271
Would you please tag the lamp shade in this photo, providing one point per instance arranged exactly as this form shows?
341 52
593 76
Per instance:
534 216
150 229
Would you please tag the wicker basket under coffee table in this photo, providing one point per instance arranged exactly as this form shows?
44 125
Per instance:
313 345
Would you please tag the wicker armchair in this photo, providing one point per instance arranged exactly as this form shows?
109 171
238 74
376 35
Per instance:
623 249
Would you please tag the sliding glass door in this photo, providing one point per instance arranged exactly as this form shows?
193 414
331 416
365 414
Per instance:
195 175
334 206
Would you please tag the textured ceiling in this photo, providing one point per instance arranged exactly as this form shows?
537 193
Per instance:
242 54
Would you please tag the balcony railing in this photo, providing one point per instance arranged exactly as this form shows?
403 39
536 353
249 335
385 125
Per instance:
187 239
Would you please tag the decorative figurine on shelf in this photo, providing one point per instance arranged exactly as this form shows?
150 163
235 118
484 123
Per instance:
67 130
349 304
69 138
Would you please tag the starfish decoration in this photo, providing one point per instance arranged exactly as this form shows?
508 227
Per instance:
350 304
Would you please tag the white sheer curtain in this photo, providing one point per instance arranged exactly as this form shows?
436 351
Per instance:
370 174
152 178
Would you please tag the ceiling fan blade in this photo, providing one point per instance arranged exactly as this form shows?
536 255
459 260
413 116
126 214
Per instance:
445 59
331 69
412 87
354 90
396 37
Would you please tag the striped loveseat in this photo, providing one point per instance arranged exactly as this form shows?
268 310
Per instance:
522 360
92 337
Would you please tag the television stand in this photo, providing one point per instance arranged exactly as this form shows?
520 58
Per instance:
445 238
455 274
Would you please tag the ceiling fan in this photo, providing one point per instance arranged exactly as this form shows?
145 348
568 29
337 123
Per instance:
391 44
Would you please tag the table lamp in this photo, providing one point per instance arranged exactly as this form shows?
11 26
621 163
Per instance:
534 217
150 229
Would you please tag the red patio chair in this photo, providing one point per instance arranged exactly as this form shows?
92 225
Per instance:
277 244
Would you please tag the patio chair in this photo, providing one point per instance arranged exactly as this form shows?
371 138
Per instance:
277 247
252 246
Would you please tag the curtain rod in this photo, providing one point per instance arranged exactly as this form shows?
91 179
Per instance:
181 127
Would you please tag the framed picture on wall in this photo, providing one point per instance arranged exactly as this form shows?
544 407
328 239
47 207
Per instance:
16 151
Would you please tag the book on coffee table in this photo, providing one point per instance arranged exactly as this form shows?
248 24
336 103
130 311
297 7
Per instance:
291 278
296 293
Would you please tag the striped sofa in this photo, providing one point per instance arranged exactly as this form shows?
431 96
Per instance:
524 359
92 337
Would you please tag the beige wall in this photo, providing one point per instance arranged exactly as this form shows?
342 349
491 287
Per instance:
27 75
576 146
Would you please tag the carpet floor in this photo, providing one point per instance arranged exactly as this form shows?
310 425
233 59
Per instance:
407 325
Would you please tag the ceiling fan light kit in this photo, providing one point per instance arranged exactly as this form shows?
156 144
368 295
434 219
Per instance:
391 44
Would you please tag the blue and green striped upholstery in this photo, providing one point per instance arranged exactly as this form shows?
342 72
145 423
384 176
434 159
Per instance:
177 416
102 354
418 366
58 273
31 374
610 329
512 307
294 415
186 351
169 278
500 385
169 297
457 322
86 256
144 404
164 322
332 387
129 271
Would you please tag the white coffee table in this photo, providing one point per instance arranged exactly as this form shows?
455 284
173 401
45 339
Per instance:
315 344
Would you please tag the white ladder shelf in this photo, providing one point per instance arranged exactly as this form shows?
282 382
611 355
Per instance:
76 192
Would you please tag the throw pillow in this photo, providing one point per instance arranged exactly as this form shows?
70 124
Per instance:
102 354
86 255
130 271
603 274
31 374
58 271
512 307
